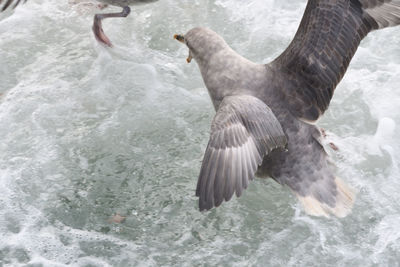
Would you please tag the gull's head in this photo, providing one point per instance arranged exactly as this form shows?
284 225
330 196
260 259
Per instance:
202 43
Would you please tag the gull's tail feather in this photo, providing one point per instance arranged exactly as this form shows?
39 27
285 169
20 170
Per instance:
345 197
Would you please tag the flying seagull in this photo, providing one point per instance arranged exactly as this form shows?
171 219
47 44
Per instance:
97 25
265 117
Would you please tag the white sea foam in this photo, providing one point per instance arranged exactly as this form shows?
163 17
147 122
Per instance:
88 132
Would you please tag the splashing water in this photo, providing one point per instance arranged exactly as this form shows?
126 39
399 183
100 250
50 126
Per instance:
88 133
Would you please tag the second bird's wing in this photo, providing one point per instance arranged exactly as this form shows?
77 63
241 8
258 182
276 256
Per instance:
12 3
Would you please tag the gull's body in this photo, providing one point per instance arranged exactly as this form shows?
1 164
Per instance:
266 113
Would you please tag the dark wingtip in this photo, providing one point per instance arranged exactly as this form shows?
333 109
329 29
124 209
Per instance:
8 4
205 205
201 207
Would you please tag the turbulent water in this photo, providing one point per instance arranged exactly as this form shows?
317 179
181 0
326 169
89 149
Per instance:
87 132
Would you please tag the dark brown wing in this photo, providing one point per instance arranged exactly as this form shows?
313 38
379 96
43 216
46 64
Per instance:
8 3
243 131
318 56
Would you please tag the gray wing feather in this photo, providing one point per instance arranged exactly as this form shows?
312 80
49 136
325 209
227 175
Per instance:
385 12
243 131
9 2
317 58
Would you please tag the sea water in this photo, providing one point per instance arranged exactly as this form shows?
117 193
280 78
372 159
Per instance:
88 132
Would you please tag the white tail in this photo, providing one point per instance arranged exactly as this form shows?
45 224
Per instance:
344 202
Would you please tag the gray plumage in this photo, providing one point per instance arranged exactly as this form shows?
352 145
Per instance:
243 131
297 87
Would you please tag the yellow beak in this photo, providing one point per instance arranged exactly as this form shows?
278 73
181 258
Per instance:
179 37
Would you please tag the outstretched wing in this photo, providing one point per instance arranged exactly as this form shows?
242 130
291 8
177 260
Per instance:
243 131
318 56
8 3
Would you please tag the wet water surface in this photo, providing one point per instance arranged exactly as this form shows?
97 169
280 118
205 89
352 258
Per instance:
89 132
